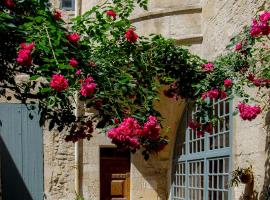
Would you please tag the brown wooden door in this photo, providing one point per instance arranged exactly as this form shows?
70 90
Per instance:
114 174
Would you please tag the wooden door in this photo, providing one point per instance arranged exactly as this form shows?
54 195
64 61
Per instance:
21 153
114 174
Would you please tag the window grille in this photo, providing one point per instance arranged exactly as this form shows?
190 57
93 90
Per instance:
68 4
201 165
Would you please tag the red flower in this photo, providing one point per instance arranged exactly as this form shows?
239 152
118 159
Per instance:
238 46
115 120
73 37
57 15
251 77
209 128
200 133
88 87
24 54
73 62
111 13
131 36
208 67
59 82
194 125
9 3
227 82
248 112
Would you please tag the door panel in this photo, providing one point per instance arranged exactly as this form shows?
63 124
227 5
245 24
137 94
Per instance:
21 153
114 174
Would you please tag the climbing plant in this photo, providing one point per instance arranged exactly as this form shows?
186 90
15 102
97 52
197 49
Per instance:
103 61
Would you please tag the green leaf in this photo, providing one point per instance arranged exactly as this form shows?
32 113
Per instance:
35 77
63 66
44 90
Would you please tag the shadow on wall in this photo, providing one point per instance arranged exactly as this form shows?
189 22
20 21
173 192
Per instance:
13 186
266 184
151 177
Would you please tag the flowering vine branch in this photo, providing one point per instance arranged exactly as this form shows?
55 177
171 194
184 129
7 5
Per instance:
119 73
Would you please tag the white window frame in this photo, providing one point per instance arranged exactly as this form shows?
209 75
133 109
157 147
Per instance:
72 8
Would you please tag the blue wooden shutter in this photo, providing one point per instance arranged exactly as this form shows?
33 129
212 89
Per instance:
21 153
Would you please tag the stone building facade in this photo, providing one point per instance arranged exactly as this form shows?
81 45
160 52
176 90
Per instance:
206 27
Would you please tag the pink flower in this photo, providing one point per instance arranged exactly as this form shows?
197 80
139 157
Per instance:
255 30
24 54
78 72
57 15
151 128
131 36
73 62
73 37
29 46
9 3
248 112
213 94
265 16
59 82
111 13
208 67
88 87
238 46
223 94
227 82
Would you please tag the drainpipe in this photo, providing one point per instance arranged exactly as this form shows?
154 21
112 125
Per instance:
78 113
77 146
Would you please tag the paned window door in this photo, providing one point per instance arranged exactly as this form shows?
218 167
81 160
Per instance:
201 164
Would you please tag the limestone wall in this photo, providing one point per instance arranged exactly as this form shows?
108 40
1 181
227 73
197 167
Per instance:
58 167
221 21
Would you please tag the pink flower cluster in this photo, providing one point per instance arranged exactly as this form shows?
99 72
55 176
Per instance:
111 13
214 94
259 82
248 112
128 133
261 27
73 37
208 67
59 82
24 55
88 87
200 128
131 36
